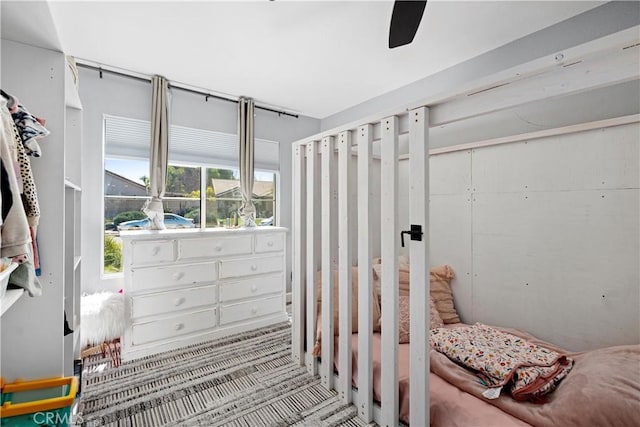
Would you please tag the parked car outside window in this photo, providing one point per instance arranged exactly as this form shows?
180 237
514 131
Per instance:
267 221
170 221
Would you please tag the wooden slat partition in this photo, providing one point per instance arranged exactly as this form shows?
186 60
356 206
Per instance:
365 277
312 298
299 262
419 273
598 63
389 245
328 218
344 265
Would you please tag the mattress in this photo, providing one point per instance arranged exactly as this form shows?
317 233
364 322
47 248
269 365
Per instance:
449 406
603 388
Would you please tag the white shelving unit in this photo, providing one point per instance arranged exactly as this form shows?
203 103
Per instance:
72 221
32 341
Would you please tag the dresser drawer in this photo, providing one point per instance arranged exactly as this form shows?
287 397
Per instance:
251 287
231 313
174 326
149 252
270 242
151 278
215 246
167 302
250 266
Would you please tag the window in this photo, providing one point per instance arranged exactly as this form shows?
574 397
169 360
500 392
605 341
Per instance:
190 201
224 197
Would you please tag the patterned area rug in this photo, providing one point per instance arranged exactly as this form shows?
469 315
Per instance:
247 379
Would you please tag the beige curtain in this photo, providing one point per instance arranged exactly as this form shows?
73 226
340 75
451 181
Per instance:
247 210
159 151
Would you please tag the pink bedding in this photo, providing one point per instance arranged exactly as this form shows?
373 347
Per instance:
602 389
450 407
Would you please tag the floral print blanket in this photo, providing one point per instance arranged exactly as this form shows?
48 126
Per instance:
501 359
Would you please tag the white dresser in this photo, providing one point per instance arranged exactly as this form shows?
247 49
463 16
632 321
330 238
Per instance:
188 286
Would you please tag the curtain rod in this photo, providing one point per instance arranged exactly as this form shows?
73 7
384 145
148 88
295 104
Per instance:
206 95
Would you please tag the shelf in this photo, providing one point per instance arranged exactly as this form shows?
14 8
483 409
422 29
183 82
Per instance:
76 262
10 297
70 184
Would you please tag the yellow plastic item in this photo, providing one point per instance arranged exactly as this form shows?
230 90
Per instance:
11 410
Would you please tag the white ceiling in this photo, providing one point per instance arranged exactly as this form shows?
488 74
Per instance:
312 57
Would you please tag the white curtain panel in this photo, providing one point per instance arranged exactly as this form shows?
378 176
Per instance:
159 151
247 210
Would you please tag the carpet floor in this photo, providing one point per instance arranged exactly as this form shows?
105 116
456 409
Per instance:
247 379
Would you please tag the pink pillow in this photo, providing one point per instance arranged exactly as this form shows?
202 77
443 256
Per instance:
435 321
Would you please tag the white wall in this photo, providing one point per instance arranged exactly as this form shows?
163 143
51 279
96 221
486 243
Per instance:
543 235
126 97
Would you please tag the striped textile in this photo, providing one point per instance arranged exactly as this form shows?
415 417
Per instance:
247 379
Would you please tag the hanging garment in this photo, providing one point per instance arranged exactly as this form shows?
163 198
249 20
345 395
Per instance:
36 254
12 103
28 189
30 130
25 277
29 195
7 196
15 238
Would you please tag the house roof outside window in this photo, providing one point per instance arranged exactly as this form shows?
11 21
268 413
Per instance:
230 188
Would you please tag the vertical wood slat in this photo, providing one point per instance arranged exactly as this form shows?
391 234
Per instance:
389 251
297 287
312 297
365 276
344 264
328 218
419 273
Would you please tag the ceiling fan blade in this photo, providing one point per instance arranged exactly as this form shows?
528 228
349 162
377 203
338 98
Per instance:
405 21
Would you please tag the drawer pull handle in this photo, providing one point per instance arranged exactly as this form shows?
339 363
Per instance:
180 301
178 326
178 275
218 248
254 288
270 243
155 251
254 267
254 310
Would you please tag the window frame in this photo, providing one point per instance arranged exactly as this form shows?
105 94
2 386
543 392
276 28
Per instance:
203 200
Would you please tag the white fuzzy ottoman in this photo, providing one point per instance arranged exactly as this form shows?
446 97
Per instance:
102 321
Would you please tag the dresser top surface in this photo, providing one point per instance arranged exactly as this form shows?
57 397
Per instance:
197 232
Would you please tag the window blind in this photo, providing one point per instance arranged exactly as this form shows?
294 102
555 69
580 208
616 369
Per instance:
131 138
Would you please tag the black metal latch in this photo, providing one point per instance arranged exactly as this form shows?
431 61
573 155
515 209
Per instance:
415 233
